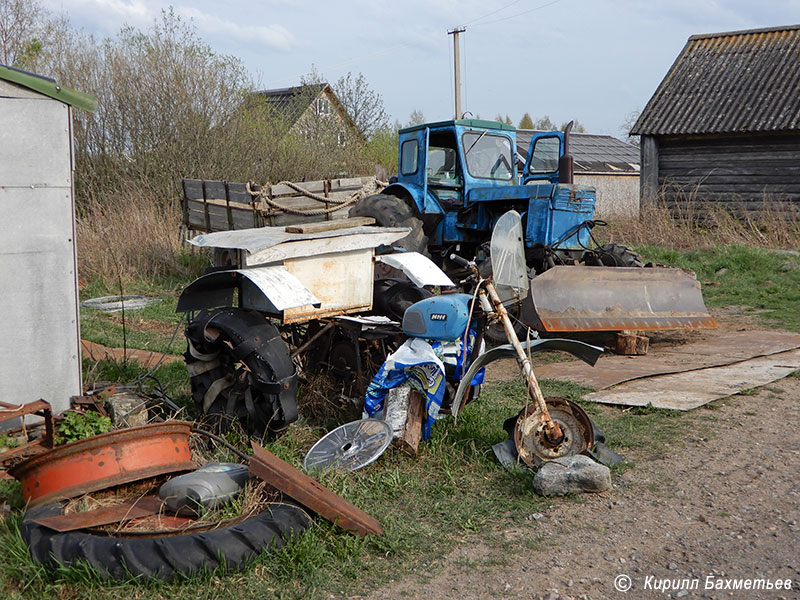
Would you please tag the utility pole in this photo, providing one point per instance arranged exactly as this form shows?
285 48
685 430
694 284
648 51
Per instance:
457 70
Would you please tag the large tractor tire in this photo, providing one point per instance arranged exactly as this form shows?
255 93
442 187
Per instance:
617 255
245 373
391 211
232 545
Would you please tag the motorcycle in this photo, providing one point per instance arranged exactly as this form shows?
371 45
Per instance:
444 354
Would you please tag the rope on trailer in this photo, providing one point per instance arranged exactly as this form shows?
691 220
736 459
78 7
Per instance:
367 189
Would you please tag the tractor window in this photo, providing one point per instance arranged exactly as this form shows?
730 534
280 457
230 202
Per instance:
408 157
488 156
545 155
441 164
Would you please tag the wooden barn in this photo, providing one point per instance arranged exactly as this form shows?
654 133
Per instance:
724 125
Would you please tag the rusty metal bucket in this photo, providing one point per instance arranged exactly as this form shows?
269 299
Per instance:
571 298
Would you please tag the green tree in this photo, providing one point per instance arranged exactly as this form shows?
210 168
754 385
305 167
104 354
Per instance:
577 126
544 124
525 122
416 118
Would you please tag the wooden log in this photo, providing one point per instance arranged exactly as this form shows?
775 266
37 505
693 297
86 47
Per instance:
631 344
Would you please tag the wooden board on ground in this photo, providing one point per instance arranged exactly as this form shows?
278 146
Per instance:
412 431
717 351
691 389
311 493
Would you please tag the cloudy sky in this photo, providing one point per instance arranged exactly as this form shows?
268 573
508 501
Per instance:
591 60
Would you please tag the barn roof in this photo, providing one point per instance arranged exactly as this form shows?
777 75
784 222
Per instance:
592 153
734 82
48 87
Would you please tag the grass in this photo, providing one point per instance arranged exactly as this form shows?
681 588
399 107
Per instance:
452 493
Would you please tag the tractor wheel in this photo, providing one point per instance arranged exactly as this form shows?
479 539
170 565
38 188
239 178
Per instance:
243 371
391 211
231 544
617 255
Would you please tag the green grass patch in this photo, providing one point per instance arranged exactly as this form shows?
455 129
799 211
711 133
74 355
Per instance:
156 327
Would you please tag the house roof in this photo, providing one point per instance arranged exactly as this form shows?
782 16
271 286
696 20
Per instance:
291 102
734 82
591 153
48 87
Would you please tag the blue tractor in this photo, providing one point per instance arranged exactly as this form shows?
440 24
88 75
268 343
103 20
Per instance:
455 179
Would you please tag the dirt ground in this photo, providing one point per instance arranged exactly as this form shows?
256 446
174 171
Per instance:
719 508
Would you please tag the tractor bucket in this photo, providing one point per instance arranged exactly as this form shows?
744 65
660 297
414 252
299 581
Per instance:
571 298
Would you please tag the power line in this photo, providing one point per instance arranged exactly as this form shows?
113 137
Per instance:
518 14
494 12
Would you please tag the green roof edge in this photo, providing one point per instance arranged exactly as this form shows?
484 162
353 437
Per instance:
50 88
482 123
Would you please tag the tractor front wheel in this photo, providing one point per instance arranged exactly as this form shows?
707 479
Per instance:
391 211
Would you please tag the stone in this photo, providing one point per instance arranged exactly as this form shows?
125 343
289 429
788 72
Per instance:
127 409
571 475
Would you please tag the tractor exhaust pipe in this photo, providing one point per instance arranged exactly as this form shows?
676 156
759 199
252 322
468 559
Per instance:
566 165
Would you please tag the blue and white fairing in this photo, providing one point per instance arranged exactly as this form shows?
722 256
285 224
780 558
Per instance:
439 318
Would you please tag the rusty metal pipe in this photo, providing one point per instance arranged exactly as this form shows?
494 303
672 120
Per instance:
551 429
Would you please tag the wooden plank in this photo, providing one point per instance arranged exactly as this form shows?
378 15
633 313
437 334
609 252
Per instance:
330 225
119 513
315 187
311 493
412 432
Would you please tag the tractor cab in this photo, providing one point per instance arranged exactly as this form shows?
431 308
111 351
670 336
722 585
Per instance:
462 175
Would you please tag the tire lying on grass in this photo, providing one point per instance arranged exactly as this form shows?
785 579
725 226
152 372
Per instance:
163 557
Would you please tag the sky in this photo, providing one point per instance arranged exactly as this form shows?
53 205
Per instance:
591 60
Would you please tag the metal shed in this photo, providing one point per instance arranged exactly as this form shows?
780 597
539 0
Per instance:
39 331
605 163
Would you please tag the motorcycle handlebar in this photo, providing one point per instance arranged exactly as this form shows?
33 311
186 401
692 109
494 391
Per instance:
461 262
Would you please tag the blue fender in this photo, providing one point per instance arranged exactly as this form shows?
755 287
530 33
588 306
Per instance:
586 352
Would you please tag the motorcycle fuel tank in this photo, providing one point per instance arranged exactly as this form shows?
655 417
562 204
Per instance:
441 318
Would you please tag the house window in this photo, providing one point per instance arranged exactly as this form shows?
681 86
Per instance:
323 106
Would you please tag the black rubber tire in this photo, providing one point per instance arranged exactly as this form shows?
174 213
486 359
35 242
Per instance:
162 557
265 411
391 211
617 255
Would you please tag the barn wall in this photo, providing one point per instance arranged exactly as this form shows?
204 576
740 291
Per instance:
617 194
737 170
40 347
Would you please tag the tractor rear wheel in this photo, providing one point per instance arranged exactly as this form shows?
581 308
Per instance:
617 255
391 211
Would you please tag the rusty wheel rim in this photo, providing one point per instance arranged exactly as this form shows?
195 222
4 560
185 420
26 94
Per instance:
531 443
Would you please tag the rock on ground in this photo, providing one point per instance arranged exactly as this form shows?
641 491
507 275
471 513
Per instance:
571 475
